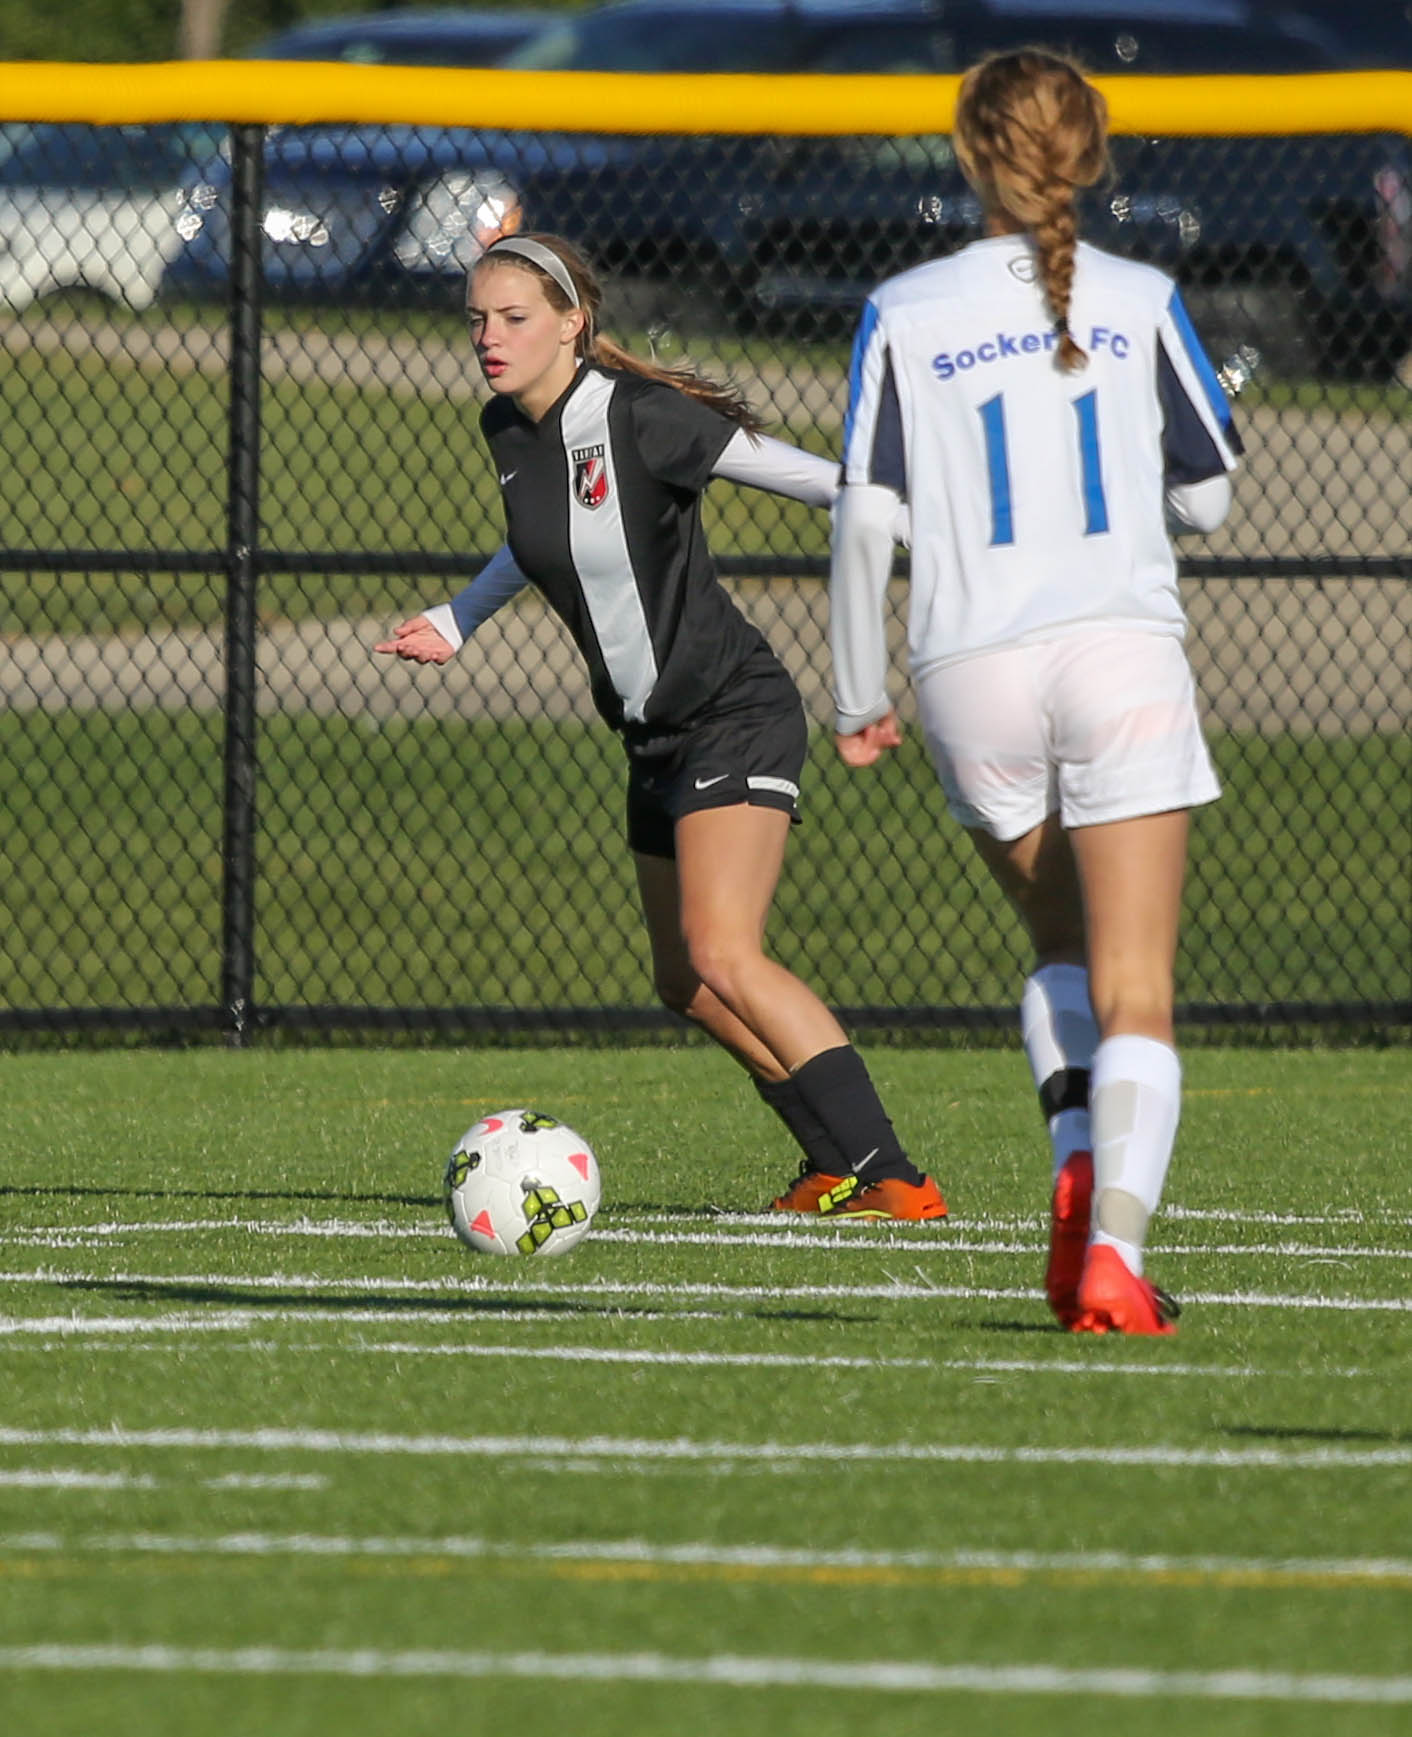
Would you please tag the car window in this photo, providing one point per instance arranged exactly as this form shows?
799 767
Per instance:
367 49
110 159
675 41
1133 44
887 48
1202 12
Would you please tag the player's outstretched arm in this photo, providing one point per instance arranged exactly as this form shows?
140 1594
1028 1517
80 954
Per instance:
762 462
417 641
440 632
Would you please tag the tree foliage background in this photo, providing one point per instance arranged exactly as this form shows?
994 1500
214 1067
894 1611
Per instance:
156 29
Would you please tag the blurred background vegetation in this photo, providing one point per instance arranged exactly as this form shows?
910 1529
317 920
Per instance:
169 29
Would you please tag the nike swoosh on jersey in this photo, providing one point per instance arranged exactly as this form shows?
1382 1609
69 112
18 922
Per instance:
509 477
706 783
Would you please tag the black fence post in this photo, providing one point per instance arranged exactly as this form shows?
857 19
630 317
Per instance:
242 578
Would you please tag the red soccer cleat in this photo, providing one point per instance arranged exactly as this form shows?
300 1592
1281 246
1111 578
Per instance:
1068 1235
1114 1300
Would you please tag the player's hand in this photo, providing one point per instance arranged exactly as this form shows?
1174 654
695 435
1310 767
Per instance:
867 746
418 641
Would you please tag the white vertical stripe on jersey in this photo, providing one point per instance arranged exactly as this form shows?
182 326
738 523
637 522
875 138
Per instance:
599 547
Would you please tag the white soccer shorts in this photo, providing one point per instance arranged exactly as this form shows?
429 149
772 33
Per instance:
1099 724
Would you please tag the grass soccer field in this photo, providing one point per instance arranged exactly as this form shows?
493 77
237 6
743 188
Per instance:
278 1456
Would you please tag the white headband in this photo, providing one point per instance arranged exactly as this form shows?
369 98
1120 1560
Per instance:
540 255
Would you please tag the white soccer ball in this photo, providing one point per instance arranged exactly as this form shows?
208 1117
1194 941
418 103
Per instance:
521 1183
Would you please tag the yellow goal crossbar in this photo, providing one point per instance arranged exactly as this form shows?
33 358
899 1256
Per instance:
307 92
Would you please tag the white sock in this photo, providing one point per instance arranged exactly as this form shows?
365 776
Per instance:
1135 1098
1057 1025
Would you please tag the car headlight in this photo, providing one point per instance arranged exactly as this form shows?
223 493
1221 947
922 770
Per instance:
304 228
451 221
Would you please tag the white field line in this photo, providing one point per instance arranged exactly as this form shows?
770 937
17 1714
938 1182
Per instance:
594 1289
722 1670
67 1478
936 1240
132 1333
1361 1570
684 1450
1005 1221
70 1326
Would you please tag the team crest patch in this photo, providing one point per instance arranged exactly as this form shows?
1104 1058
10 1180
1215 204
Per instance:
590 476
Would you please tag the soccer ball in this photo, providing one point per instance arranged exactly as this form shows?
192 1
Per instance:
521 1183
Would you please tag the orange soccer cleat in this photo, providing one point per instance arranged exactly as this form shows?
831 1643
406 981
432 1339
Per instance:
890 1197
1068 1235
805 1192
1114 1300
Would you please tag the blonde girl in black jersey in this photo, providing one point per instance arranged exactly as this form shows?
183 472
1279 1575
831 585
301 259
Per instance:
602 459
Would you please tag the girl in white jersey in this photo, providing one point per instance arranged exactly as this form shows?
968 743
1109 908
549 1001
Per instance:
602 459
1045 409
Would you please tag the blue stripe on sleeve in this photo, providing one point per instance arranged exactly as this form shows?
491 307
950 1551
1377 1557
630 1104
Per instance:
866 327
1200 361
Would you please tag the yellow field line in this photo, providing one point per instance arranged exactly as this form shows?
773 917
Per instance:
294 93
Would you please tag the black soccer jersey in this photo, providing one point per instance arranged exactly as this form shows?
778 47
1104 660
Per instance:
602 511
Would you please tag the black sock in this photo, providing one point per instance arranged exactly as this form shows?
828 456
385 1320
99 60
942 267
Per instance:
809 1133
838 1090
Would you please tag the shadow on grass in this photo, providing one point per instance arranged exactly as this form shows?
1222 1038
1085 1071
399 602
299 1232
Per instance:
1043 1328
335 1196
398 1307
1280 1432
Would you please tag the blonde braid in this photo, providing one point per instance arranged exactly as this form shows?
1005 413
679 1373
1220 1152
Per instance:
1031 131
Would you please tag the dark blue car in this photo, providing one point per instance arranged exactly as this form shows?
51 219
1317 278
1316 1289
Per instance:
371 213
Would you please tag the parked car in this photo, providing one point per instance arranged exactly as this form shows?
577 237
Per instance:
109 209
1370 33
369 213
1299 248
430 36
361 213
93 208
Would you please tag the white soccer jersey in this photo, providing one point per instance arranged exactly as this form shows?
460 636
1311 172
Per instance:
1036 496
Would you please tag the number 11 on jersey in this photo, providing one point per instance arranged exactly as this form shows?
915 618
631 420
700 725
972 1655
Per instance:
997 462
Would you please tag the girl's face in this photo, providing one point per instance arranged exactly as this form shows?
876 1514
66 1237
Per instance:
525 347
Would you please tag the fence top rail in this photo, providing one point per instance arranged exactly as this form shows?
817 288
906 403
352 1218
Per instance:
297 93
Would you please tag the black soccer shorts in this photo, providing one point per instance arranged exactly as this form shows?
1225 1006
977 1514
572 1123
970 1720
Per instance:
750 749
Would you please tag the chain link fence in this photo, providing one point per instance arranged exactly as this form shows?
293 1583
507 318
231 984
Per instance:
239 440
